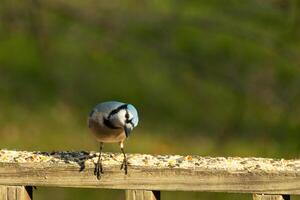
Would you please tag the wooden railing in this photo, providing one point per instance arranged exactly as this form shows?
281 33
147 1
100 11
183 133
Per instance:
147 174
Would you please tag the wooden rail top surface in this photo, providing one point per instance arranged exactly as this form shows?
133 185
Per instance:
151 172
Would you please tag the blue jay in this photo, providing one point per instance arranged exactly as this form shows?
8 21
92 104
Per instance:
111 122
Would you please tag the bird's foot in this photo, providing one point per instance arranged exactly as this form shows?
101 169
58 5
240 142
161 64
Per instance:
98 170
124 165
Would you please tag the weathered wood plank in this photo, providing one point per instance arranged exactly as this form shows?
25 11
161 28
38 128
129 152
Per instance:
15 192
270 197
147 172
142 195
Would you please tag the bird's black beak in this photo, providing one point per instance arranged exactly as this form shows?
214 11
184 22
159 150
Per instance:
127 129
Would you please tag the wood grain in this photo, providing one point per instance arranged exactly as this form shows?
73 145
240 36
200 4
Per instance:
142 195
151 172
270 197
15 193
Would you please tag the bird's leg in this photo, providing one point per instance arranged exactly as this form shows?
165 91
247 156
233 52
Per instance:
98 168
124 164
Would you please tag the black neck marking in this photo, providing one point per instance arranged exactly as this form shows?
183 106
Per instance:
108 124
115 111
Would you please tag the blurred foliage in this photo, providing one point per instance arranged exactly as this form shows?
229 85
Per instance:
217 78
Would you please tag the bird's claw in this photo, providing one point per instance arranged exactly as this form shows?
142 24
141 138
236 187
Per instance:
124 165
98 170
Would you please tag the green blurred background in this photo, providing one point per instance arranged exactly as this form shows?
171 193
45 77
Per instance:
212 78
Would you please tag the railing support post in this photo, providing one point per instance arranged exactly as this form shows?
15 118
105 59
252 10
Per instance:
270 197
142 195
15 192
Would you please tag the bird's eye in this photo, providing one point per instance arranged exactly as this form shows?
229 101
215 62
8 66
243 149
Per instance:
126 115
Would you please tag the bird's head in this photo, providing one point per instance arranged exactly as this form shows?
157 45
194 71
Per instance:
124 116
